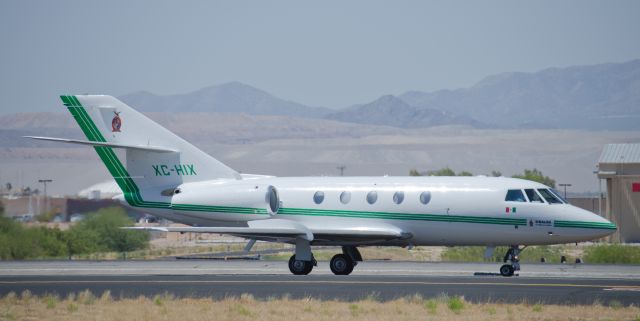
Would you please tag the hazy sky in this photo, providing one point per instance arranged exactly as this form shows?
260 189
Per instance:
329 53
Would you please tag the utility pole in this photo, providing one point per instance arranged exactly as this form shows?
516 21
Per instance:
565 189
45 181
341 168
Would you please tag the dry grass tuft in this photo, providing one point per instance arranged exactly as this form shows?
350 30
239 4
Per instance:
86 297
50 300
105 297
86 306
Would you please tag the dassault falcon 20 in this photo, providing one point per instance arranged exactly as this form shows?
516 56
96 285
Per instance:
165 175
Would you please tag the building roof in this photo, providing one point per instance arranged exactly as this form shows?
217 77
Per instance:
620 154
106 189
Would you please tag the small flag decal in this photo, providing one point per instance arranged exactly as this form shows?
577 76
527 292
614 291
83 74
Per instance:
635 187
510 210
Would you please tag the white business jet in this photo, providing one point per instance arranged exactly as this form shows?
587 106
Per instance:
163 174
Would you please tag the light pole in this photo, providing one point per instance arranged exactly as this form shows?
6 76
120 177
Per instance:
45 181
565 189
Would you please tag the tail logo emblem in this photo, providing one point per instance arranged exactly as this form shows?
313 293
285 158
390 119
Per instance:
116 122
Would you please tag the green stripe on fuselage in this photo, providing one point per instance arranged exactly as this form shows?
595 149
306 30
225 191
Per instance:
581 224
404 216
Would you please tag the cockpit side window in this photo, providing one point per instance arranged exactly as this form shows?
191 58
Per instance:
533 196
551 199
515 195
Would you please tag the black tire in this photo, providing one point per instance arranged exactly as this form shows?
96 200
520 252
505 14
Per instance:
506 270
298 267
341 264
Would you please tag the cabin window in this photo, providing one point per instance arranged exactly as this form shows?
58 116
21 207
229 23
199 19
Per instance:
551 199
533 196
372 197
318 197
398 197
425 197
515 195
345 197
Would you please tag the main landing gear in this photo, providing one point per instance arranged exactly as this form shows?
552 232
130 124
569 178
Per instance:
300 267
340 264
343 264
512 261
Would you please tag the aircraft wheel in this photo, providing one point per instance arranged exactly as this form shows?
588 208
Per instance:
299 267
506 270
341 264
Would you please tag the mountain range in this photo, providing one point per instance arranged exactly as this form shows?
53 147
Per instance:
605 96
595 97
233 97
392 111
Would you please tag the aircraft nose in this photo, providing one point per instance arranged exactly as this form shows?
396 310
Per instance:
599 220
584 225
599 226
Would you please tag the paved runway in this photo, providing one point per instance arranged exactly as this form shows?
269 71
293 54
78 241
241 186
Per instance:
559 284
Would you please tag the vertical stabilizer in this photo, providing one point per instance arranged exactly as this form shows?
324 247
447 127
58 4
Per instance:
143 175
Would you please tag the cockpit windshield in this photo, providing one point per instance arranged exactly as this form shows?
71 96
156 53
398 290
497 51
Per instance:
549 196
557 194
533 196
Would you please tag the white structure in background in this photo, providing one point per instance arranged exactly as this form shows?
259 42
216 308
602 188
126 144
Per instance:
619 166
105 190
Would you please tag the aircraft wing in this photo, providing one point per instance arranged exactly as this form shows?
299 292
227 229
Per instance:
284 230
275 229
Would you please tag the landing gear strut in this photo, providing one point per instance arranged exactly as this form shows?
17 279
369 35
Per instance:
302 262
512 261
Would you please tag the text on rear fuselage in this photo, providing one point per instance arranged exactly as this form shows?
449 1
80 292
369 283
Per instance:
177 169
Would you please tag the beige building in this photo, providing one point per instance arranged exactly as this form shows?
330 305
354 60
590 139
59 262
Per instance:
619 168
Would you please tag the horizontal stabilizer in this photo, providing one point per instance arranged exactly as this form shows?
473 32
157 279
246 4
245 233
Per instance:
106 144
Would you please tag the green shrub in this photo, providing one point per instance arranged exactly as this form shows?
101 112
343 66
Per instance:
476 254
455 304
105 227
431 305
613 253
19 242
99 232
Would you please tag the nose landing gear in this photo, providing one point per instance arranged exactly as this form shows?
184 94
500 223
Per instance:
512 261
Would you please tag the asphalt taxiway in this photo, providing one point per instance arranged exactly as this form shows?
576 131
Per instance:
544 283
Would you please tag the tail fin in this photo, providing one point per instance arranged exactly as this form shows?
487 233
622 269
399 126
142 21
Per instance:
147 172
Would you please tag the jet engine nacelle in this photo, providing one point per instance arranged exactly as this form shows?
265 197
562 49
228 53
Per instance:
241 200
